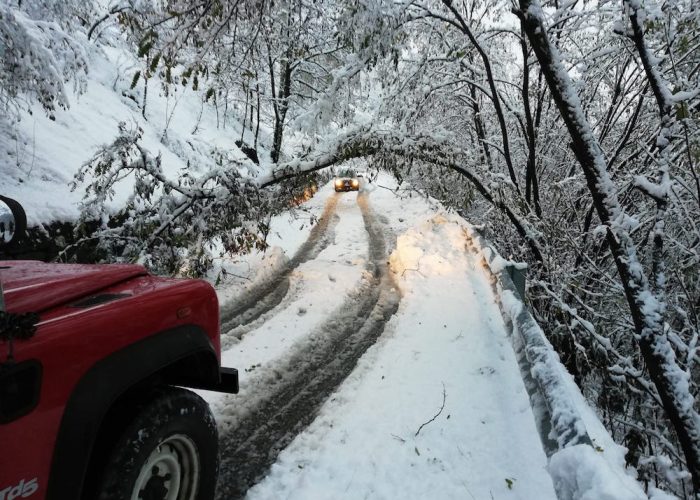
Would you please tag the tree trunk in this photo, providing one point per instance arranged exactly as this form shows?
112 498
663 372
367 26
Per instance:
245 111
250 121
479 126
282 106
532 190
257 112
145 93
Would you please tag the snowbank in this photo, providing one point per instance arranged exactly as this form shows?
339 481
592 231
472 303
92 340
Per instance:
579 472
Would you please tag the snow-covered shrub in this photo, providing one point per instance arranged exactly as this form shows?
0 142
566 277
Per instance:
39 54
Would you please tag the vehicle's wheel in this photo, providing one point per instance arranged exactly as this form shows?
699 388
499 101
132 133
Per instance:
168 452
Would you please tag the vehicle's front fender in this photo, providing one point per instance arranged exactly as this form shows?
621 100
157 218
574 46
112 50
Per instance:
104 383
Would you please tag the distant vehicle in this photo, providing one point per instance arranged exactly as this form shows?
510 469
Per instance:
93 359
347 180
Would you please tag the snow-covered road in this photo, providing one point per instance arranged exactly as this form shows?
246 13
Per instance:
379 323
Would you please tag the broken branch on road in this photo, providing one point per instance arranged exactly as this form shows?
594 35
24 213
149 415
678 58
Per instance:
442 407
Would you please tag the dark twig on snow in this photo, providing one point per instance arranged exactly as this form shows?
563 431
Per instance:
444 398
226 274
417 269
414 270
398 438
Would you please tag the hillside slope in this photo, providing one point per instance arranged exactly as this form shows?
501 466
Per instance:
41 155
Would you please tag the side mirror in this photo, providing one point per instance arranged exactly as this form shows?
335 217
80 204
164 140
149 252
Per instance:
13 222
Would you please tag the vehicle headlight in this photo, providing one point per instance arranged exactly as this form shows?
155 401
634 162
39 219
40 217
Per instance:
338 182
355 182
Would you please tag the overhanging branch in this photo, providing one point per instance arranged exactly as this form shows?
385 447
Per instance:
366 142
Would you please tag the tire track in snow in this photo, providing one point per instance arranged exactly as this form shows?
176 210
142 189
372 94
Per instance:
288 292
295 390
270 293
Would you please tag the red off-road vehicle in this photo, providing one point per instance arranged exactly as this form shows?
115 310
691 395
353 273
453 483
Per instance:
92 361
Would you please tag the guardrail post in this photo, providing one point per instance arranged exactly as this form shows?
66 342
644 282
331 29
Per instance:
518 277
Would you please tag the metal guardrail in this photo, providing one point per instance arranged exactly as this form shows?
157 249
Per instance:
558 422
577 468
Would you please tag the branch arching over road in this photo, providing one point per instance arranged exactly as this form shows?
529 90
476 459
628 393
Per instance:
366 141
224 190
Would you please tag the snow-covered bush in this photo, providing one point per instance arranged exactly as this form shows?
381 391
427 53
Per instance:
39 54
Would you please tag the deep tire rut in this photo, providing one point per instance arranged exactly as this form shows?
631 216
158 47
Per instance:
295 392
269 294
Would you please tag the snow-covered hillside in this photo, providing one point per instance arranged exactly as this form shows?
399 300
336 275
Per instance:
40 155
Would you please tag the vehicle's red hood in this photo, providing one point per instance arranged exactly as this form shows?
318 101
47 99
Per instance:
33 286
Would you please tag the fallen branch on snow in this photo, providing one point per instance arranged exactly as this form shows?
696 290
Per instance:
444 398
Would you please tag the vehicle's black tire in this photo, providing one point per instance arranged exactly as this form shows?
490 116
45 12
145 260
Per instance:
172 440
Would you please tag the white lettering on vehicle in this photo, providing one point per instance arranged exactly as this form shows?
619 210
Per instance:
23 490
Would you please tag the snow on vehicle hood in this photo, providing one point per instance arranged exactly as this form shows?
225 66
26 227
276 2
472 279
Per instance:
33 286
